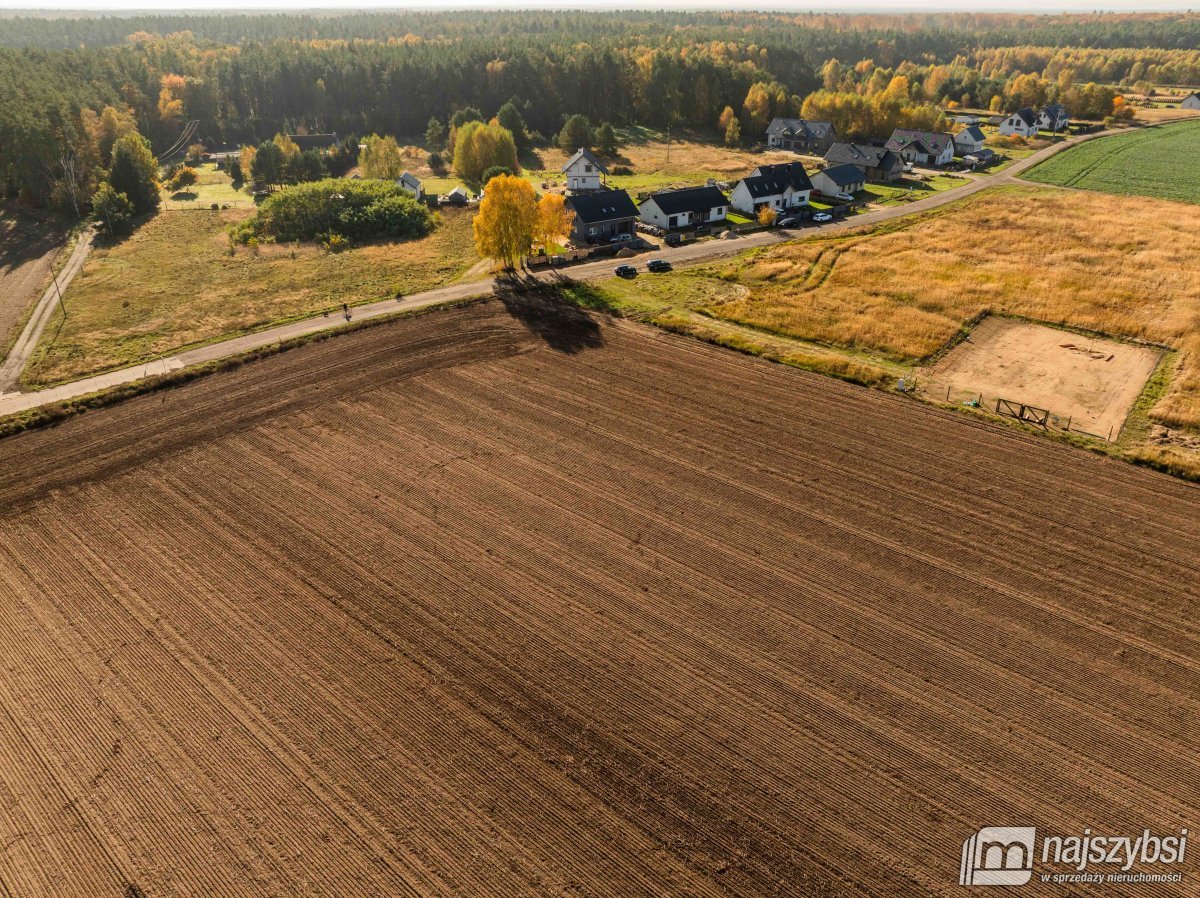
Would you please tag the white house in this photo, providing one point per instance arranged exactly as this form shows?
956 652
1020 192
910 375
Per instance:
839 179
968 141
922 147
410 182
1191 101
584 171
1054 118
684 208
782 187
1022 123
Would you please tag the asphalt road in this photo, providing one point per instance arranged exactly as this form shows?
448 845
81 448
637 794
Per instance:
693 254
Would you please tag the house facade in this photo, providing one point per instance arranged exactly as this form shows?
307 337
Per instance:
601 215
410 183
685 208
1191 101
584 172
782 187
922 147
839 179
879 163
1022 123
968 141
800 135
1054 118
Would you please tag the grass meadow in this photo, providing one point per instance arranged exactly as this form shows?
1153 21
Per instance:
1115 265
1158 162
174 284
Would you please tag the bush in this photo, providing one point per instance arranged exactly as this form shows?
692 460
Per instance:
622 170
493 172
215 206
335 243
352 209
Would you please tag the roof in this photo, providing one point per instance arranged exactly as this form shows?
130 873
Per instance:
841 175
792 173
586 154
861 154
973 133
1027 115
459 191
689 199
934 142
314 141
1056 110
408 179
792 127
606 205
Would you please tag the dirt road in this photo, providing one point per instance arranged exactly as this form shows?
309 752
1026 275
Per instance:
693 254
503 602
18 356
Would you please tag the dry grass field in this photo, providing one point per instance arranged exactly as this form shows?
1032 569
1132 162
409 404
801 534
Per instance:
499 602
1121 266
174 284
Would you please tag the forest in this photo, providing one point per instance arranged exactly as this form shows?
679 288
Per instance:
247 77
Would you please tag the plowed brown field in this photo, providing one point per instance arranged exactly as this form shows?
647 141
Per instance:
474 605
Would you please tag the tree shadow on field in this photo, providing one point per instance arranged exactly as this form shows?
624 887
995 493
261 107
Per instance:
546 311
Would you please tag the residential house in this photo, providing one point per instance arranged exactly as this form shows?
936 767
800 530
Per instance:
1054 118
322 143
968 141
800 135
1022 123
1191 101
457 197
684 208
782 187
411 183
601 215
922 147
584 172
839 179
879 163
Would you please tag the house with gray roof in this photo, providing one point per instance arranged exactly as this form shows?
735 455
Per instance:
1054 118
584 171
601 215
839 179
800 135
968 141
1022 123
684 208
782 187
922 147
879 163
1191 101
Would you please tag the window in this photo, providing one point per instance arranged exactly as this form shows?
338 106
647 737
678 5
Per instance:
587 168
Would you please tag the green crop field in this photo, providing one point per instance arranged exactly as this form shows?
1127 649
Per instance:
1158 162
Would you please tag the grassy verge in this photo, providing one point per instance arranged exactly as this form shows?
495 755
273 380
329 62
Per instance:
174 284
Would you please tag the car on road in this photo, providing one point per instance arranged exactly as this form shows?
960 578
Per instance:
625 271
658 265
822 217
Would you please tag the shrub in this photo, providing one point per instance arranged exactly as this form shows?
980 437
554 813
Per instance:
353 209
335 243
622 170
215 207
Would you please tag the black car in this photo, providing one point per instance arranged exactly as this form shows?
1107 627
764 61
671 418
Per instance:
658 265
625 271
790 221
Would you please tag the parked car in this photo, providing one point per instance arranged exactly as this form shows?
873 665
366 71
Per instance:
789 221
620 238
658 265
625 271
822 217
847 197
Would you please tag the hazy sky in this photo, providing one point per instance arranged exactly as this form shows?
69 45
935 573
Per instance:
1046 6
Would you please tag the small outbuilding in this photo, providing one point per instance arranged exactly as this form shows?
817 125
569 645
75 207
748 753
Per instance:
1191 101
411 183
